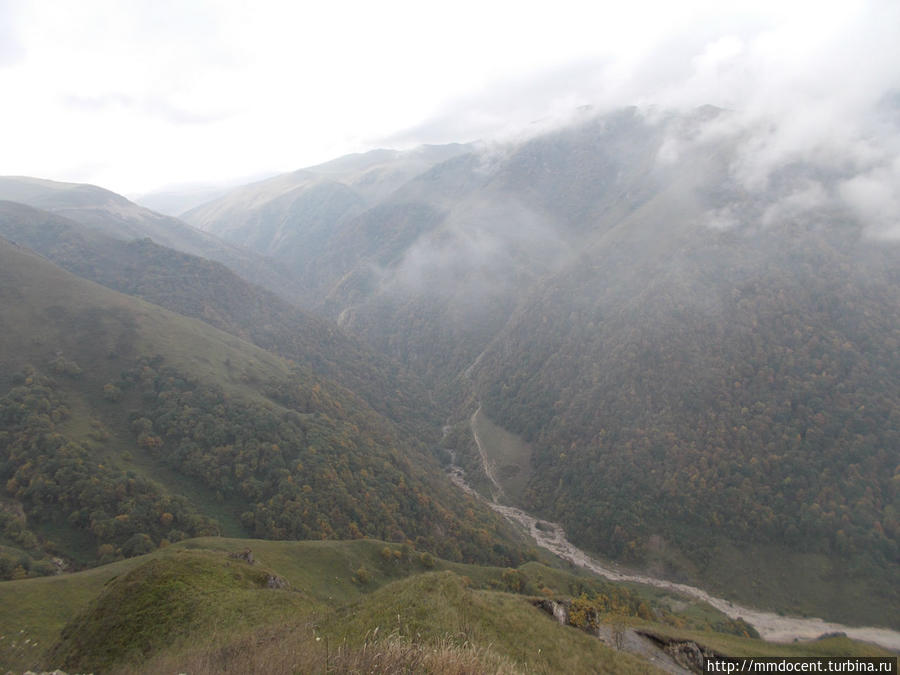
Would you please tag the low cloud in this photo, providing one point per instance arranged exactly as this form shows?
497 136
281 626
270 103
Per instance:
813 86
295 85
875 197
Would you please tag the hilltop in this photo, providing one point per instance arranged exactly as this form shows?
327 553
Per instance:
103 211
347 604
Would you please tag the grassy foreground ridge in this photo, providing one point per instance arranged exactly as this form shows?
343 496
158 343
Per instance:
339 605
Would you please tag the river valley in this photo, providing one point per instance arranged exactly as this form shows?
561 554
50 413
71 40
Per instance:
771 626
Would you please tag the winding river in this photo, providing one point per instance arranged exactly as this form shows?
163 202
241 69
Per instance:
770 626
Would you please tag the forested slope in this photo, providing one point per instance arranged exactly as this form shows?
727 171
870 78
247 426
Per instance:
209 291
697 336
125 425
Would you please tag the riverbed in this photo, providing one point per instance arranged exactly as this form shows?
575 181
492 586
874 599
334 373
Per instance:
771 626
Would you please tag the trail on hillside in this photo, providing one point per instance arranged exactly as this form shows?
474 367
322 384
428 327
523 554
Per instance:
770 626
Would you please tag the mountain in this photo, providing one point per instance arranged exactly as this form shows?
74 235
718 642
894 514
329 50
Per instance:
292 216
126 427
701 363
115 216
209 291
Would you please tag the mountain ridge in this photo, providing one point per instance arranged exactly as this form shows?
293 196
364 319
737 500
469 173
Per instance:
117 217
599 284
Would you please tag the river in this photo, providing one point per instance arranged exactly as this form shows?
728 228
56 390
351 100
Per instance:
771 626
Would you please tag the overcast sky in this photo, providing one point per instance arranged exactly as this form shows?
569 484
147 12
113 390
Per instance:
137 95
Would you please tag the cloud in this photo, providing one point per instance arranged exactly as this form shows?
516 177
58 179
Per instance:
805 84
233 88
478 250
12 50
875 197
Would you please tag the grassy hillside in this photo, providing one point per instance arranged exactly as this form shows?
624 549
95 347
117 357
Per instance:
506 453
193 607
111 214
126 426
209 291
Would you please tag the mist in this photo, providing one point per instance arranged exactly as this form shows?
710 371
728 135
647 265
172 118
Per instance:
139 96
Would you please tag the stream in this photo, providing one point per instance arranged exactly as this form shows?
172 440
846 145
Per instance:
771 626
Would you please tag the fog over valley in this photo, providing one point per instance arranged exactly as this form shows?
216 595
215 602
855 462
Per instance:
476 338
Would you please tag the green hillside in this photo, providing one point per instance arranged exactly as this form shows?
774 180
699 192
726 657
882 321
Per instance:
198 606
209 291
729 396
126 427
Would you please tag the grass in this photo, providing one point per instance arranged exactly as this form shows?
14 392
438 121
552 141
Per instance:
509 454
54 311
129 611
440 606
38 609
803 584
296 649
169 600
324 569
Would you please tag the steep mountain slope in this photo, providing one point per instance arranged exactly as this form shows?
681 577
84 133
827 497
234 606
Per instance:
115 216
429 272
701 348
208 291
293 217
498 223
690 413
125 426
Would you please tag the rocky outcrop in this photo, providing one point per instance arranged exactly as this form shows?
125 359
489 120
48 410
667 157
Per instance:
559 610
246 555
686 653
680 655
276 582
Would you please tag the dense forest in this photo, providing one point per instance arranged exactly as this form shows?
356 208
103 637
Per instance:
58 482
300 470
159 399
763 409
209 291
304 472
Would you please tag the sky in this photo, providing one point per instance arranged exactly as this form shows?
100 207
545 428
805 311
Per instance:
141 95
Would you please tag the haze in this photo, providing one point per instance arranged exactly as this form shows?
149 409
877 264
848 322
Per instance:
141 95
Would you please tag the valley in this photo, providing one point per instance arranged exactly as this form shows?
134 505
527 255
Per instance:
551 536
647 414
451 339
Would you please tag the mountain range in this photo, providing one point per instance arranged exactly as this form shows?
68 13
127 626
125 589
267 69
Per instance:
606 322
704 369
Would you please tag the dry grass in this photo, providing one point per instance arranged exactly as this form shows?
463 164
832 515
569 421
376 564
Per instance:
288 651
